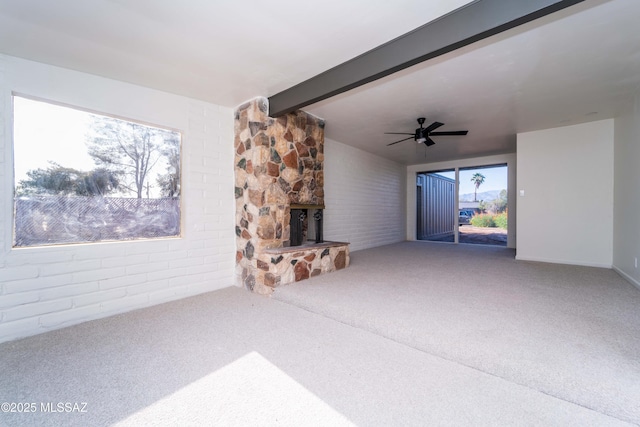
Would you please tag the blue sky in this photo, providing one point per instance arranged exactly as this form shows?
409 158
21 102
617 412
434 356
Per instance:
495 178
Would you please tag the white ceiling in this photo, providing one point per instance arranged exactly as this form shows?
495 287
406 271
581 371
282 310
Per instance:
579 65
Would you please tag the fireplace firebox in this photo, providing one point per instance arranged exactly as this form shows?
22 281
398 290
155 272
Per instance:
305 224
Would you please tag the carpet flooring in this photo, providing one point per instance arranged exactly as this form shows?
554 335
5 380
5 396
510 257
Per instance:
566 331
404 336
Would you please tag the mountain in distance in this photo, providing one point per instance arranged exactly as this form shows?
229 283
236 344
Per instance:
487 196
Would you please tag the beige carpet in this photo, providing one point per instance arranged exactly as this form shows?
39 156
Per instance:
405 345
566 331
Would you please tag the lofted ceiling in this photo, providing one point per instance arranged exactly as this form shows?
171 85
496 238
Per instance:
580 64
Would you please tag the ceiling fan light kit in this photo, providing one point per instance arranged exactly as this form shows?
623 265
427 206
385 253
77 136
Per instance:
422 135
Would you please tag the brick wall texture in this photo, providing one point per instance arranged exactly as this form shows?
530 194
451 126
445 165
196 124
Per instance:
45 288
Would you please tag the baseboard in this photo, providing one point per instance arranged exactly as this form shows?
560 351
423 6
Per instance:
563 261
628 278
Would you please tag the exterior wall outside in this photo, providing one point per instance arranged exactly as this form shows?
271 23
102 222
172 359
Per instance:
626 207
51 287
436 215
365 197
566 213
411 171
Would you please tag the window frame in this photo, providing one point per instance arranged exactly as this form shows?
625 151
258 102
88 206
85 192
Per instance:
13 181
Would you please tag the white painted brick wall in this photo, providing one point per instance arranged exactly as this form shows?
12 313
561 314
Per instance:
6 181
364 196
52 287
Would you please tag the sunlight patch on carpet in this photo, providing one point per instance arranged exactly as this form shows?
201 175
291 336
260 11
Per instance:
249 391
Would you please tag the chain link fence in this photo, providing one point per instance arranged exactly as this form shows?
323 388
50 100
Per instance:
49 220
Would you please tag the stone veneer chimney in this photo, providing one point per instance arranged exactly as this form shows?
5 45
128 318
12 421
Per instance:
278 163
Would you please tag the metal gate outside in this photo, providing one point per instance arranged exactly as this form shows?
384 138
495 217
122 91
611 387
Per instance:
436 206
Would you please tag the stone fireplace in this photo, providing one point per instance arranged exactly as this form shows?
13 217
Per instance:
279 190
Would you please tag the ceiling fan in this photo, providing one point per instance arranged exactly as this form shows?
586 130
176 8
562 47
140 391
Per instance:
421 135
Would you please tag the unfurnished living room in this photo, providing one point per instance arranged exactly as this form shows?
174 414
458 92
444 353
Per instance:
250 213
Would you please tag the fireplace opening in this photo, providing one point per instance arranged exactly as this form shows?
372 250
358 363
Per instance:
306 225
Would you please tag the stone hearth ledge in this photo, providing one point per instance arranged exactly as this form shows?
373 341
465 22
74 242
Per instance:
305 246
282 266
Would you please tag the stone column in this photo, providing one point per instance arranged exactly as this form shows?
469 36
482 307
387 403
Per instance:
277 162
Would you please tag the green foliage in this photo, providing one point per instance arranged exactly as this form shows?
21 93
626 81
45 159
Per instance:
499 205
169 183
483 220
489 220
59 180
478 180
501 220
53 180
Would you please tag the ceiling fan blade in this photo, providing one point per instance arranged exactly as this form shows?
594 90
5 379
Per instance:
398 133
411 137
453 132
429 142
433 126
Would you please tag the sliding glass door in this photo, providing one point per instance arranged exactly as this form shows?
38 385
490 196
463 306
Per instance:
472 209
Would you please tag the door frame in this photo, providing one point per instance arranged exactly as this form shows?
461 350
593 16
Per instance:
411 200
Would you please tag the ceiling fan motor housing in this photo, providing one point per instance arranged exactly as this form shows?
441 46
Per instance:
420 135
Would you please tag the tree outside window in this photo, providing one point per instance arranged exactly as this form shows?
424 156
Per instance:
85 177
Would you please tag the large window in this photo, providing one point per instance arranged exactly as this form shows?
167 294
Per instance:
482 205
86 177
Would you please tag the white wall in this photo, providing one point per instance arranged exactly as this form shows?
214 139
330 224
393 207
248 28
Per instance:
566 213
626 224
51 287
509 159
364 197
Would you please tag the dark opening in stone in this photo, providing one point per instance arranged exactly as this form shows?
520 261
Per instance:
306 224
